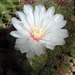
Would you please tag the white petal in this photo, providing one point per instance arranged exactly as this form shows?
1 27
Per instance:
30 54
60 33
55 26
48 44
58 40
62 42
26 45
22 40
36 16
50 12
18 46
24 32
48 23
39 14
59 25
55 20
37 47
20 15
23 19
28 10
58 17
15 20
55 38
48 17
45 22
16 34
63 33
50 47
16 23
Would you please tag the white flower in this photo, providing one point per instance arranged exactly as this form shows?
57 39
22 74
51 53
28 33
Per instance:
38 28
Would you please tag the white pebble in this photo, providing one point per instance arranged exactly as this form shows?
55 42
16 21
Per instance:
73 68
73 61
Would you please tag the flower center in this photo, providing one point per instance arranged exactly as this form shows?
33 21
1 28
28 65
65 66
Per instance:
37 33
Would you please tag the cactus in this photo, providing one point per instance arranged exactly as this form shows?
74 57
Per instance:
46 64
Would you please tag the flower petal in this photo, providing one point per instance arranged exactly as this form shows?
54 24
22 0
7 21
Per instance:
16 23
25 47
60 33
18 46
55 21
50 12
49 23
39 14
28 10
22 40
16 34
45 22
37 47
59 25
13 19
63 33
48 44
50 47
30 54
48 15
58 17
24 32
22 17
58 40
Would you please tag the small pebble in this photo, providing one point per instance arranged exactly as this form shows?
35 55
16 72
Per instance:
71 64
73 61
72 18
70 73
73 68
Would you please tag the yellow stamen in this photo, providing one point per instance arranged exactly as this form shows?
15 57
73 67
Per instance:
37 32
